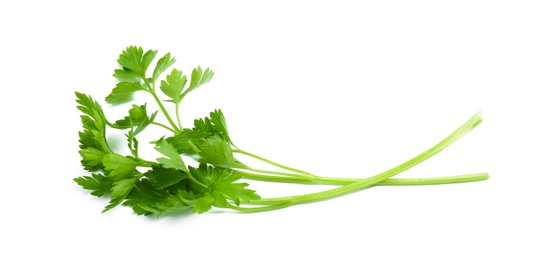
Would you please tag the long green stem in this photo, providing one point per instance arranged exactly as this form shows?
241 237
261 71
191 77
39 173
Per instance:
164 126
345 181
276 173
151 90
240 151
260 209
177 107
165 113
362 184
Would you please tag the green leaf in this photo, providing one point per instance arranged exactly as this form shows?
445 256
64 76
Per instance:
147 59
131 58
146 199
126 75
134 62
138 118
92 159
122 187
123 92
198 78
222 185
215 125
99 184
94 123
220 126
184 141
164 177
217 151
203 204
91 108
173 159
113 203
162 65
236 192
174 85
118 167
204 125
133 143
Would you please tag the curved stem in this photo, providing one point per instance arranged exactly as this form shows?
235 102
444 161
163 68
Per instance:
240 151
365 183
151 90
193 146
260 209
177 105
160 104
146 163
275 178
276 173
390 182
190 177
164 126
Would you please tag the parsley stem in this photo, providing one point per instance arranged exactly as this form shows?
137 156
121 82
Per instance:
389 182
177 105
277 173
146 163
151 90
240 151
160 104
193 146
164 126
190 176
260 209
365 183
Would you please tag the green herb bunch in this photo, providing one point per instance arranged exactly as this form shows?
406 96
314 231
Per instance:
167 184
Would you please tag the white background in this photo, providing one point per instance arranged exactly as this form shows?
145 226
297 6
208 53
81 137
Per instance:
338 88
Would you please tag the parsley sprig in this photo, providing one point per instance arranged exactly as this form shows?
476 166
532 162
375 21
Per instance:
167 184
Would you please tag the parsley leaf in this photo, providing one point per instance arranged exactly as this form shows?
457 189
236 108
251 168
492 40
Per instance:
94 123
219 125
138 118
122 187
164 177
93 143
162 65
92 158
213 125
217 151
99 184
133 143
188 141
118 167
203 204
173 159
198 78
221 187
146 199
123 92
134 63
174 85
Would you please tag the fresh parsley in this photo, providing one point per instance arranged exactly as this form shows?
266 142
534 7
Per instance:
167 184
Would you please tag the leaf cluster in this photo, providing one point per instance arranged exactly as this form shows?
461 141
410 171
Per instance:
165 184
